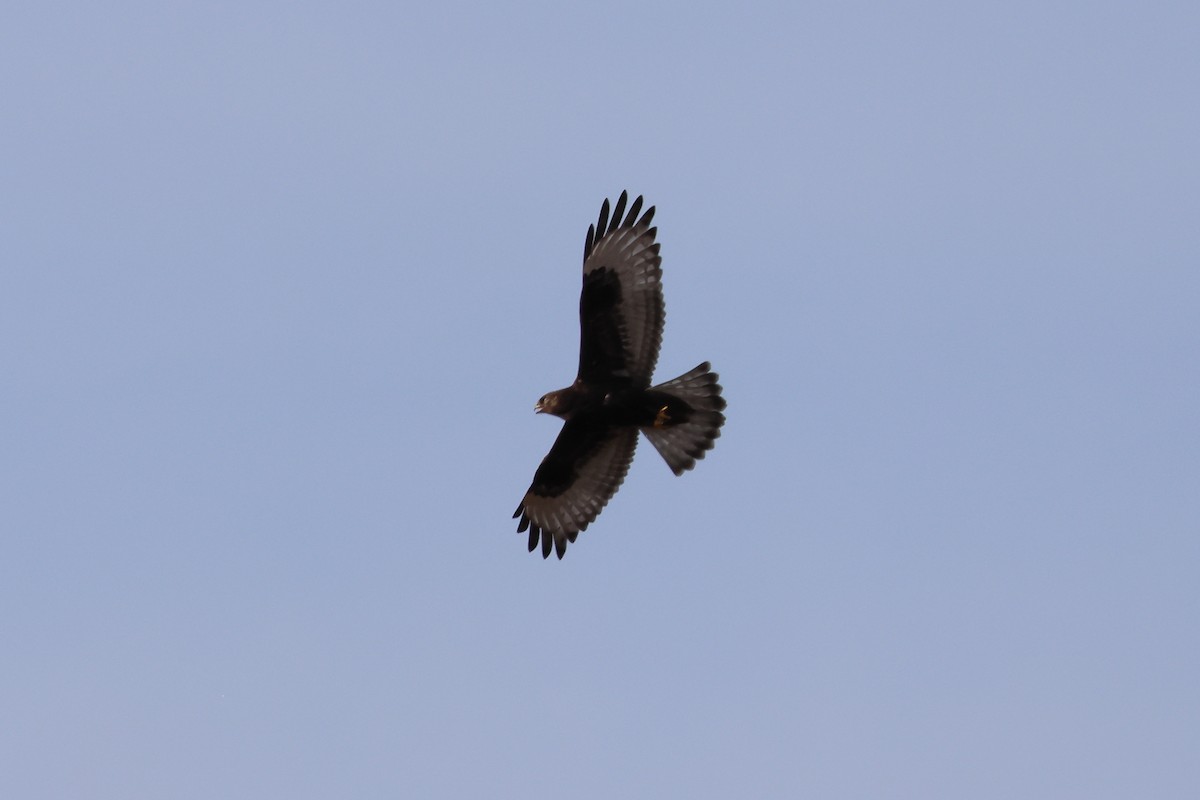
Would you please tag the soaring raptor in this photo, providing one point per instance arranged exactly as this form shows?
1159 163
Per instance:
621 314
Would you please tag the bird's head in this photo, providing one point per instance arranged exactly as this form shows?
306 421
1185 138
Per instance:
556 403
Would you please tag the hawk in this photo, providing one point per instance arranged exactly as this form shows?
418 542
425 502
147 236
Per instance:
621 315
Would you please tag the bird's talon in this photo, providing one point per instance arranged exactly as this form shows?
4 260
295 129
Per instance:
662 418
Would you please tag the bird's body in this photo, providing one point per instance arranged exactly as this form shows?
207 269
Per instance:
615 404
621 314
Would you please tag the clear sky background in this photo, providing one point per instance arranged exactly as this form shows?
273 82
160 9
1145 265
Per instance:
280 284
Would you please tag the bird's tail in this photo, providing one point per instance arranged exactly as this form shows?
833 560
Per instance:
681 443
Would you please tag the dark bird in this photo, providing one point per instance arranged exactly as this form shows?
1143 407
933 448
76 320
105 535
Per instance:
621 315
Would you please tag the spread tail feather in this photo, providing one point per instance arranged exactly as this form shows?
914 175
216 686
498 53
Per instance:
680 444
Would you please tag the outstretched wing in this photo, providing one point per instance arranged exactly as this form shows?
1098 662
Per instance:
576 479
621 310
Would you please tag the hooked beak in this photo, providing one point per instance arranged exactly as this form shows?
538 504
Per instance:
537 407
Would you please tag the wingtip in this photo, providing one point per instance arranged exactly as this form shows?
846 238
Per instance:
602 222
589 242
634 210
619 210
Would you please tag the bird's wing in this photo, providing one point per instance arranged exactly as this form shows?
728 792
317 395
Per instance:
576 479
621 309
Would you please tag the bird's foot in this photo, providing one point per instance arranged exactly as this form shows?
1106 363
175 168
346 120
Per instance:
662 418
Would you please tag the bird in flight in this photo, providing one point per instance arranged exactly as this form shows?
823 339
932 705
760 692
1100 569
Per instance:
621 315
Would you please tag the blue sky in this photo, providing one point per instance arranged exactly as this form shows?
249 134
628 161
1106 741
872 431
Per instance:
280 285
